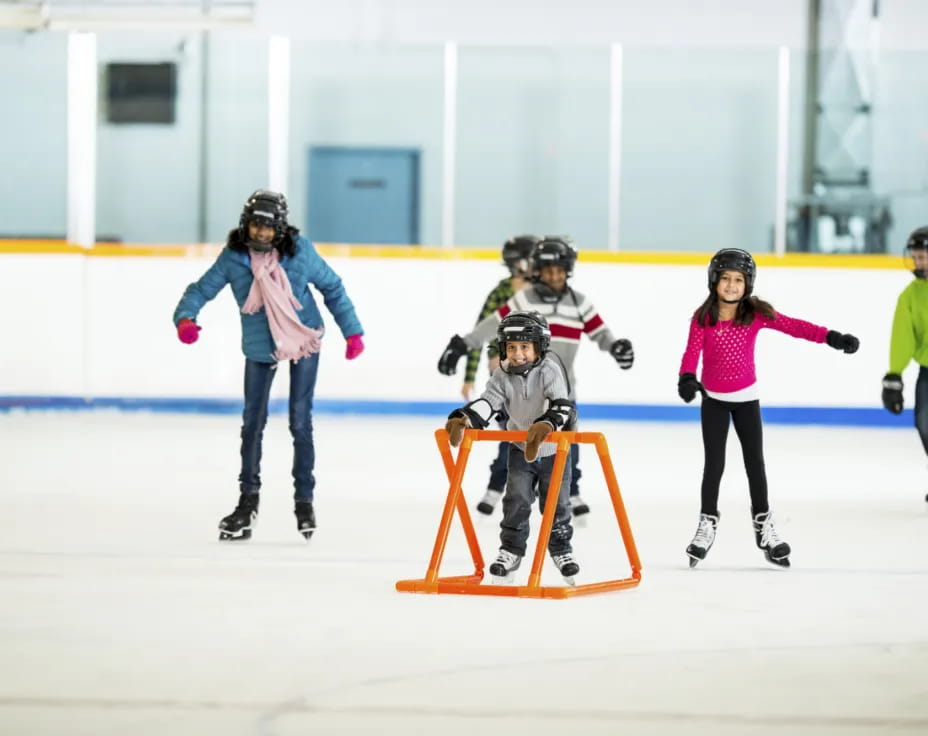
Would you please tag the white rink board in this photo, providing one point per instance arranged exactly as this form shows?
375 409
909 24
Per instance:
102 327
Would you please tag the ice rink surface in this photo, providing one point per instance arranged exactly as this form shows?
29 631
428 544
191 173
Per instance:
122 614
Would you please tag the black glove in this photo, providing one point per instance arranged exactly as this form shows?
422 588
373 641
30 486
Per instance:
846 342
448 362
892 392
623 353
687 387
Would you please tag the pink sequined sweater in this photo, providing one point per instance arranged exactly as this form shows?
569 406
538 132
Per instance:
728 349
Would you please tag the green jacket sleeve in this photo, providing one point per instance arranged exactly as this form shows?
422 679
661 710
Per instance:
495 299
902 343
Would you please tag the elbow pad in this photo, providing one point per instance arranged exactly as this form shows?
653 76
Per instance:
473 413
562 413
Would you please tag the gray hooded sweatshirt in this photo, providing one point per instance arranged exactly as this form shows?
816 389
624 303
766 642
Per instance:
524 397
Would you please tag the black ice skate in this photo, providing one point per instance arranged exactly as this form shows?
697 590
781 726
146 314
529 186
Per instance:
775 549
567 565
703 539
237 525
578 506
506 563
305 518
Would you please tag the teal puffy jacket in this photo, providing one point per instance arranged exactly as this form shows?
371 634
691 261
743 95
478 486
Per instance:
303 268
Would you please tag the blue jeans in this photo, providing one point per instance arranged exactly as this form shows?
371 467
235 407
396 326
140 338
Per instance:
921 406
258 380
523 479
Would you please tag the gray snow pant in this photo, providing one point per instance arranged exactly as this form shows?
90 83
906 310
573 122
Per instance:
519 496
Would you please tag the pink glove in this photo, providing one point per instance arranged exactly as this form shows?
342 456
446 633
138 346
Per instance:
188 331
354 347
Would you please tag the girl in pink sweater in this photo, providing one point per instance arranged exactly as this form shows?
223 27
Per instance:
724 329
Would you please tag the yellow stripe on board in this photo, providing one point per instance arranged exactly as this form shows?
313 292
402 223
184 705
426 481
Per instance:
348 250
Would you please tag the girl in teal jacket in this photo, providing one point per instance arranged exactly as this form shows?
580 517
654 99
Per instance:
270 266
910 337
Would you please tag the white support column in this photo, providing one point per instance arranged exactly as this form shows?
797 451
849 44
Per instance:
278 107
779 219
449 144
615 143
82 138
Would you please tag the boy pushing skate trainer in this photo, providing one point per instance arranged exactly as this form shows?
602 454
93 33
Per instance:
530 385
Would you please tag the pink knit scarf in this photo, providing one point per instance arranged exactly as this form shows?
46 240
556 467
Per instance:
271 290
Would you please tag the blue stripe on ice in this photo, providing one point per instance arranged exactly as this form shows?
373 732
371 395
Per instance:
830 415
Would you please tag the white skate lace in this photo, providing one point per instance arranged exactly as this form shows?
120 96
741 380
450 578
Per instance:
561 560
705 532
768 535
506 558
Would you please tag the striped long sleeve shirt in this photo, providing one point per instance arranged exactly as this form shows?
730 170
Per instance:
569 319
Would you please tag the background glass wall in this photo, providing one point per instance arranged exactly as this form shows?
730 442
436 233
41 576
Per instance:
33 134
698 144
533 137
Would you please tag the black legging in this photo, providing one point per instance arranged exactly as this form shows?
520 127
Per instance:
715 421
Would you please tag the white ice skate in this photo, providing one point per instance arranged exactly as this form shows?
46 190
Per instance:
775 549
502 568
703 539
489 501
568 566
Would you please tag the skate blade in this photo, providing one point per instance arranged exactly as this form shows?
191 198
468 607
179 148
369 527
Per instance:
694 561
570 580
244 535
307 533
502 579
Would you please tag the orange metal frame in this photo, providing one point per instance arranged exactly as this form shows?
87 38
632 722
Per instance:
471 584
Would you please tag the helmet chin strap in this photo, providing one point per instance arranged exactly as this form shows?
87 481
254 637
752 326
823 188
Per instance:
547 294
259 247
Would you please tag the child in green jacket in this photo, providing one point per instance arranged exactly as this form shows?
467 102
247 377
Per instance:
910 337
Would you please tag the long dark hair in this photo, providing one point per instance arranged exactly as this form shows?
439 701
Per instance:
286 246
708 313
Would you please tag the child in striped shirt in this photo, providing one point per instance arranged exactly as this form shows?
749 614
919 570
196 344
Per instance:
570 315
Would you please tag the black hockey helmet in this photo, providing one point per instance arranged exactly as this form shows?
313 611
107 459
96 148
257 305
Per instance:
918 240
517 253
733 259
267 208
523 327
554 250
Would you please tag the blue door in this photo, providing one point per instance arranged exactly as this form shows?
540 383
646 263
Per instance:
363 195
